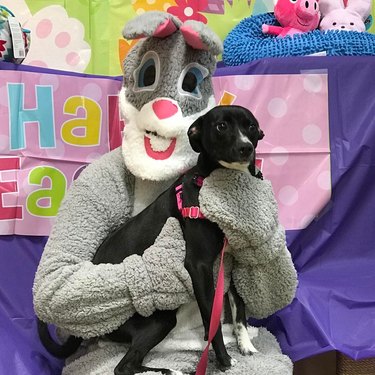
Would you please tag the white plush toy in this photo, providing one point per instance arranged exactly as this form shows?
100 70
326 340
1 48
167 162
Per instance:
337 16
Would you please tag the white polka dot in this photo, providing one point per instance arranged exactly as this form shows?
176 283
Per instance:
4 142
306 220
188 11
93 91
50 80
244 83
279 155
313 83
59 151
288 195
277 107
324 180
166 6
311 134
151 2
3 96
6 227
140 11
26 187
93 156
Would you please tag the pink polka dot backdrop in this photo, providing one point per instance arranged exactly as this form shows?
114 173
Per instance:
295 155
66 157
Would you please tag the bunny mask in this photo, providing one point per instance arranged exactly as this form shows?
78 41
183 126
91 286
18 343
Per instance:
167 85
335 16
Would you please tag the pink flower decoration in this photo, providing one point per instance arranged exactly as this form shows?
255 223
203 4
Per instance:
2 47
189 10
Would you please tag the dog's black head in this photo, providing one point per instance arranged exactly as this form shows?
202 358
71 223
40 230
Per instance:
227 135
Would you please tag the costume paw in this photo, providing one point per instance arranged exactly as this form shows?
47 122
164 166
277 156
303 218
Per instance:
52 30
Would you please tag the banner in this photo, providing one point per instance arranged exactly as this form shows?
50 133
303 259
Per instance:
53 125
292 110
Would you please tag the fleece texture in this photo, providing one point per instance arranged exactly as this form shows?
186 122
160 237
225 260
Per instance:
91 300
246 210
102 357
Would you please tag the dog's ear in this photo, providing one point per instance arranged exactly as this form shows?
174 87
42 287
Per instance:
195 135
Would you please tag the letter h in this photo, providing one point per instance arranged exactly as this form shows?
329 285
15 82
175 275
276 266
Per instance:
42 114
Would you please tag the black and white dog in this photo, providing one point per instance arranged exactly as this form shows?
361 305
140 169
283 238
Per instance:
226 136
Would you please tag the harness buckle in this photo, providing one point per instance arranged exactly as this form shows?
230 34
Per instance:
193 212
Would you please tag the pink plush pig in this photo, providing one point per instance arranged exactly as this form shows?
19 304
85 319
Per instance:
294 16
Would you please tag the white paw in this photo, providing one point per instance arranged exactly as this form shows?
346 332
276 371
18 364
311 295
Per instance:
245 345
54 31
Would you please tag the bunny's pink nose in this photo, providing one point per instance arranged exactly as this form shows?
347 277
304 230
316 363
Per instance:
164 109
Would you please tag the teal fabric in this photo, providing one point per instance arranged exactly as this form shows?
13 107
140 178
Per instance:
246 42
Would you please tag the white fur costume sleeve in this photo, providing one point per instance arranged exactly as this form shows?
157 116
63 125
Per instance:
245 209
90 300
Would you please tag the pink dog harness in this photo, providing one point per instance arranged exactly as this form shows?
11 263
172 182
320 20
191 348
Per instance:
192 212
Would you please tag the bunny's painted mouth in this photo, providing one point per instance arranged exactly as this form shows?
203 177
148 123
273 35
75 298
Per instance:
158 147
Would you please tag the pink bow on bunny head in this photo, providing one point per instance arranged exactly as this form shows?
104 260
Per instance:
344 16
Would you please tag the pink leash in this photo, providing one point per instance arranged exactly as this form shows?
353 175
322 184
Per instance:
217 307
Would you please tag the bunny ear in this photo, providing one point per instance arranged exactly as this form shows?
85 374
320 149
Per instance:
199 36
362 7
327 6
157 24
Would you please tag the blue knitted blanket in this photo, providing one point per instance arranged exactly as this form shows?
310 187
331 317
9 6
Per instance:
246 42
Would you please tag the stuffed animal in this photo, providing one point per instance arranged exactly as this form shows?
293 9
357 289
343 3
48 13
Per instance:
335 16
294 16
14 40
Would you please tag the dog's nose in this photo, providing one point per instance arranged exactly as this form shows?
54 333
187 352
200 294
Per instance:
245 150
164 109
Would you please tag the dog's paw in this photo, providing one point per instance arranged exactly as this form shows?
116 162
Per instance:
226 363
245 346
233 362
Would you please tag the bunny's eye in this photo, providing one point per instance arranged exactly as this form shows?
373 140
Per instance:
334 24
146 76
352 23
190 79
293 1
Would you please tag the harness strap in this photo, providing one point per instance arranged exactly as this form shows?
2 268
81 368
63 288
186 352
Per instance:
193 212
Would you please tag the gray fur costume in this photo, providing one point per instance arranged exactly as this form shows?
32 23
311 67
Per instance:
89 300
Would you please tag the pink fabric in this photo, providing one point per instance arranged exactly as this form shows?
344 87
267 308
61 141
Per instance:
302 15
165 29
217 307
192 38
164 109
292 110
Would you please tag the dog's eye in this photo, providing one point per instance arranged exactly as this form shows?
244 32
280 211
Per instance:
221 127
